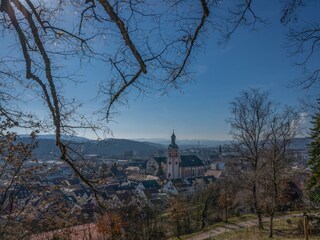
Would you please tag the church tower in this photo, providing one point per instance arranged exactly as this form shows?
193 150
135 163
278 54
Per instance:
173 159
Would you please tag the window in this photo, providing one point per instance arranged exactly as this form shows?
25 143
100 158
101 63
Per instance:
169 162
176 163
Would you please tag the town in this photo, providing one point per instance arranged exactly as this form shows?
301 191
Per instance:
155 183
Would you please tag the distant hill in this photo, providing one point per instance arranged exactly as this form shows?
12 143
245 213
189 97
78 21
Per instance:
301 143
109 148
53 137
123 147
185 143
116 147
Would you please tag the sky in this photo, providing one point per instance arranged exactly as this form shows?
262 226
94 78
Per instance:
251 59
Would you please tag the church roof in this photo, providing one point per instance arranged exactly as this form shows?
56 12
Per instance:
173 145
190 161
173 141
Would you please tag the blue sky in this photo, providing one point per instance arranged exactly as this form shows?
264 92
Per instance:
252 59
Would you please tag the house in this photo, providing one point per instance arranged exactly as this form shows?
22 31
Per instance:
178 187
141 177
200 183
214 173
149 184
132 169
71 182
118 174
155 165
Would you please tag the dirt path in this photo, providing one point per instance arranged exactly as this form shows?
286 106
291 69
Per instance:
234 226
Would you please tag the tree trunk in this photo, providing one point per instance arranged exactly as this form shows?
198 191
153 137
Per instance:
271 225
178 229
256 206
226 214
260 223
204 214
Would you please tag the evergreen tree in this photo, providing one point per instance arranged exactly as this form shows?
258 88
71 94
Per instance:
314 161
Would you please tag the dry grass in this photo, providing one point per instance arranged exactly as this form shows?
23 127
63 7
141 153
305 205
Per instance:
256 234
283 229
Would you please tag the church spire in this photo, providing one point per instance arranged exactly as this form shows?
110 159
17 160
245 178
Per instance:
173 138
173 141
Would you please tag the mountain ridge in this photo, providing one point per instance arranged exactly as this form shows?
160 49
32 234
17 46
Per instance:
114 147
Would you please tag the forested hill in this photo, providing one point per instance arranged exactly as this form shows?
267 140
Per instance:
46 148
301 143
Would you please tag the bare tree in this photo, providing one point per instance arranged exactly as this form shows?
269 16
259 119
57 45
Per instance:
205 202
110 226
279 159
251 113
16 181
239 14
303 41
262 133
226 197
180 216
24 202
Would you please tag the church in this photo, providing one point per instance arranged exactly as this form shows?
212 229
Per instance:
176 166
182 166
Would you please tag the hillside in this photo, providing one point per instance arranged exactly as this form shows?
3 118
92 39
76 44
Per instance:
109 148
301 143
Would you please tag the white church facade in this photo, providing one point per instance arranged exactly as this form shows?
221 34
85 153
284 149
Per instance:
176 166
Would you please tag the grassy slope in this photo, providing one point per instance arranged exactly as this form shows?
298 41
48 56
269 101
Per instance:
282 230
